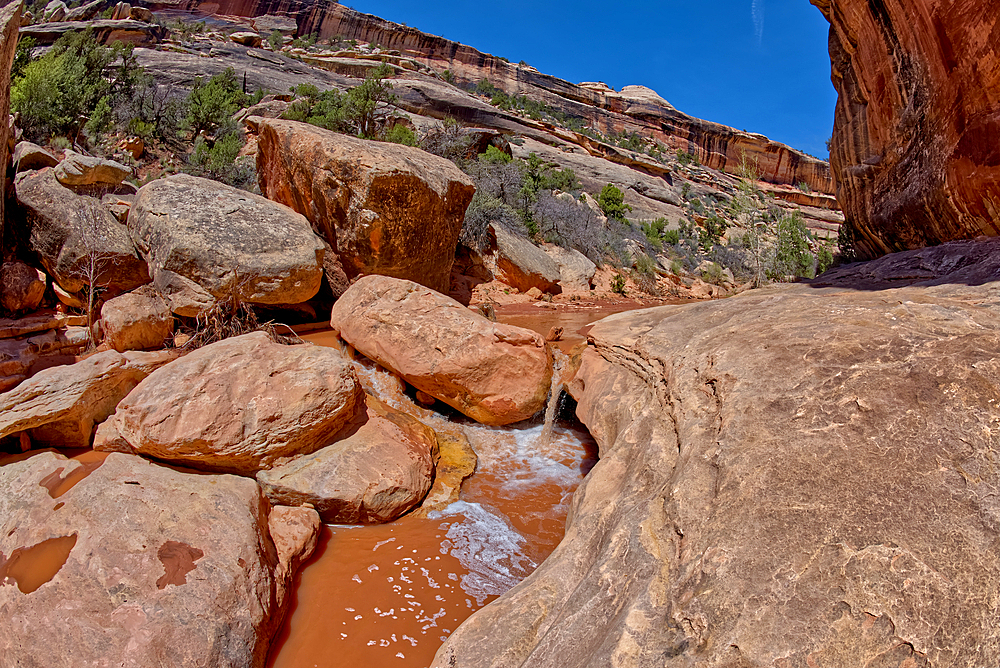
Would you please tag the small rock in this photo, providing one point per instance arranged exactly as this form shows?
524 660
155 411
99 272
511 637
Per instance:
138 320
121 11
250 39
534 293
66 298
295 532
21 287
83 170
134 146
28 156
85 12
555 334
425 399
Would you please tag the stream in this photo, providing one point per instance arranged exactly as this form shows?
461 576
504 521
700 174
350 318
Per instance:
389 595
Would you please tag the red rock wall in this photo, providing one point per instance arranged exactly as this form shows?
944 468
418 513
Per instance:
716 145
916 139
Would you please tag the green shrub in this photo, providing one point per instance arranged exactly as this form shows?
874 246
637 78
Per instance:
612 202
671 237
791 253
618 284
804 187
713 274
400 134
494 156
213 102
276 40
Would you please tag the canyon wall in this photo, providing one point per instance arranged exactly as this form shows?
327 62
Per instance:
916 139
634 109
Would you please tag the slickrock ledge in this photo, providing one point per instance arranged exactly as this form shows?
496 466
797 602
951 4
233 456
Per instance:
796 476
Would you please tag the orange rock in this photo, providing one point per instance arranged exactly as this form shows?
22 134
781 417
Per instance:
916 137
389 209
494 373
239 405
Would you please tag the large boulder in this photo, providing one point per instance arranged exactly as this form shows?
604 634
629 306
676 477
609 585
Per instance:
385 208
59 406
137 320
916 136
238 405
796 476
576 271
21 287
55 11
494 373
141 565
521 264
374 475
52 342
206 241
68 231
76 170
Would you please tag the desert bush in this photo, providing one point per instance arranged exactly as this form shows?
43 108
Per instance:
791 254
213 102
400 134
448 141
56 93
612 202
362 111
618 284
276 40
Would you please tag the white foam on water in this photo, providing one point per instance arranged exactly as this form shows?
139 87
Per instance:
488 547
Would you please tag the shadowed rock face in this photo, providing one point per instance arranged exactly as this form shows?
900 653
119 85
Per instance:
798 476
916 138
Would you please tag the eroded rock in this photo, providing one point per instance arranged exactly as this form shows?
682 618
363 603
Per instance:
68 230
494 373
915 146
387 209
83 170
59 406
795 475
28 156
134 576
239 405
205 241
374 475
521 264
21 287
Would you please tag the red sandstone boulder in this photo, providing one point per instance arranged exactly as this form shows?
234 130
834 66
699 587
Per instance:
494 373
387 209
376 474
137 320
59 406
238 405
916 137
521 264
21 287
140 565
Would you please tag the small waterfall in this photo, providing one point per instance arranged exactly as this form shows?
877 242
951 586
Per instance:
559 360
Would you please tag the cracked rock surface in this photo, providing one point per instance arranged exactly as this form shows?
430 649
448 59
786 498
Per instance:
803 475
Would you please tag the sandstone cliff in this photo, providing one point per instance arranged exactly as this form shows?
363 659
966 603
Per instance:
916 140
634 109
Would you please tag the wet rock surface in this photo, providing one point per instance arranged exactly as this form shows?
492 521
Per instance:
374 475
387 209
205 240
800 475
142 566
496 374
915 145
238 405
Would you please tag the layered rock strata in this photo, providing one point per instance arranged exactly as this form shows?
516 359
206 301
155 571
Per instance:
916 138
800 475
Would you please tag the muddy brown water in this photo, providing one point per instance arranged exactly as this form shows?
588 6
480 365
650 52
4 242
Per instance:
389 595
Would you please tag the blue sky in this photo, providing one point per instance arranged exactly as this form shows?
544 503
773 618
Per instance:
758 65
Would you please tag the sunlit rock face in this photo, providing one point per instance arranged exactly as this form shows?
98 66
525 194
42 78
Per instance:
916 139
633 109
